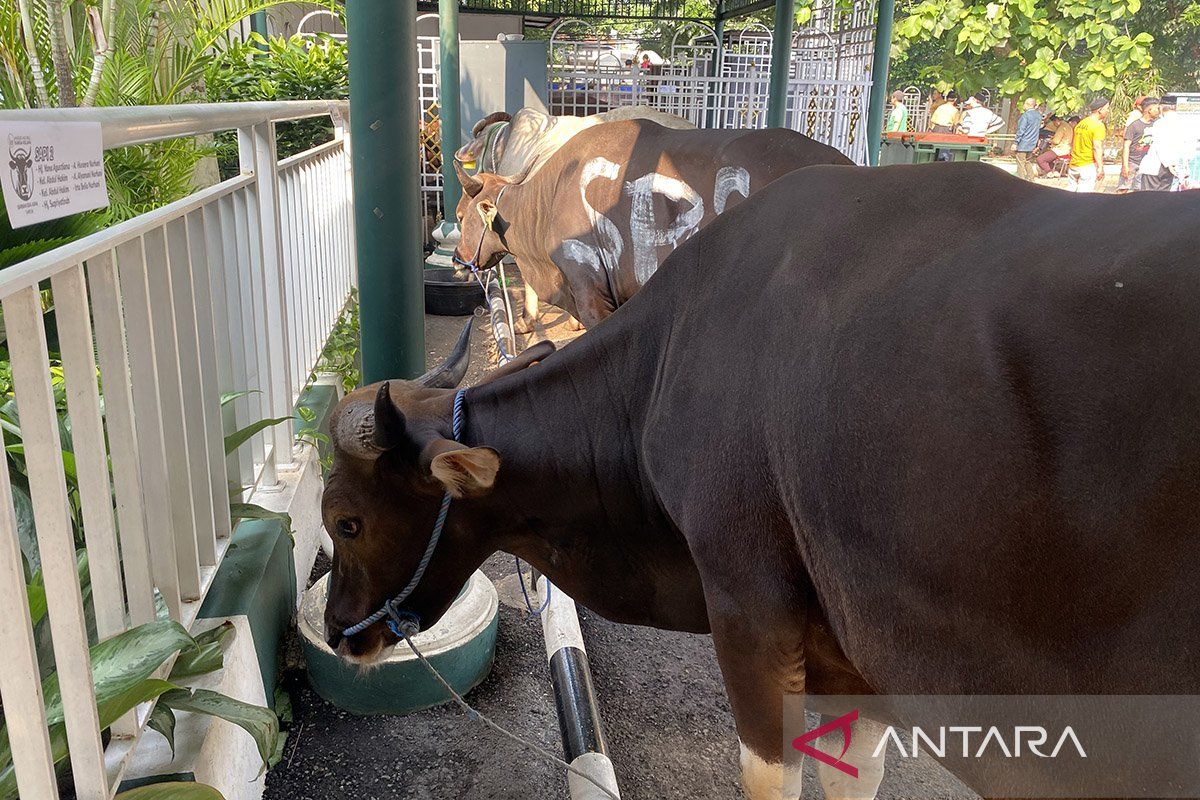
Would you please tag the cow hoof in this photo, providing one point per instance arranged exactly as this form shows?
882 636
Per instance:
764 780
524 325
575 325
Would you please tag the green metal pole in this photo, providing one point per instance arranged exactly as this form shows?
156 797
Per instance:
451 104
781 62
879 77
258 23
387 214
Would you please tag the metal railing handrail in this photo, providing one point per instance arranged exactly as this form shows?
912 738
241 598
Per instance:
309 155
32 271
128 125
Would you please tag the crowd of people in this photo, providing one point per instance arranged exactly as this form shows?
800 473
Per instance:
1155 151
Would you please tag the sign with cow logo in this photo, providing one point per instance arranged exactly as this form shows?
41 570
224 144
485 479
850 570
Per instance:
55 169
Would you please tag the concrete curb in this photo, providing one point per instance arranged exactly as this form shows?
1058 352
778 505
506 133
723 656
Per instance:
584 747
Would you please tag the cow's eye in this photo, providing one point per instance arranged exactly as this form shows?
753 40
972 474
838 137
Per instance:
347 528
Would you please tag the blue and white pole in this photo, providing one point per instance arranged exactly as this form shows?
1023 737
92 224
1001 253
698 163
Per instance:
584 747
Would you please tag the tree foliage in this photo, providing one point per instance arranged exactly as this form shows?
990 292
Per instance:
1059 51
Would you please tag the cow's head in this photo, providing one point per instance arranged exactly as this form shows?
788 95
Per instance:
393 459
482 222
20 163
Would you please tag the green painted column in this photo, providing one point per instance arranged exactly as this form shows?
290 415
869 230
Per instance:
387 213
879 76
258 23
781 62
450 101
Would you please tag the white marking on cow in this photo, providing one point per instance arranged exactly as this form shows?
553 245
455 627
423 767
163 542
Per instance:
644 229
765 780
865 735
729 180
606 252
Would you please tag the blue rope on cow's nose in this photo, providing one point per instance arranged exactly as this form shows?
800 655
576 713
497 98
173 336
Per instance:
408 621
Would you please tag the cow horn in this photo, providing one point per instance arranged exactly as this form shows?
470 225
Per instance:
490 119
470 184
367 431
450 372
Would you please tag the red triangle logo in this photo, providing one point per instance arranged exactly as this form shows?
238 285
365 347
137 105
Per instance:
843 724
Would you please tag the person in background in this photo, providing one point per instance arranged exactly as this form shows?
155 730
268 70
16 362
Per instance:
1136 111
897 120
1060 145
645 65
1138 135
1087 149
943 118
1168 152
935 100
1029 127
978 119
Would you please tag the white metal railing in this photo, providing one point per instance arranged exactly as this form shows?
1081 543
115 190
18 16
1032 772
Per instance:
233 288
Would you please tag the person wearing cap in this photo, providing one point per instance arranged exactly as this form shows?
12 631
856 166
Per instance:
978 119
897 121
1087 149
1138 135
1029 128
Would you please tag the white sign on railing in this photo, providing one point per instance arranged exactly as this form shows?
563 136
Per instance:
55 169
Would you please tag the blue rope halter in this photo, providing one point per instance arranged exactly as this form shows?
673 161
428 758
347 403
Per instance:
406 622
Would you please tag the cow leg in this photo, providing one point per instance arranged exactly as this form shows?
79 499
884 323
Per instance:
864 738
757 616
759 668
529 315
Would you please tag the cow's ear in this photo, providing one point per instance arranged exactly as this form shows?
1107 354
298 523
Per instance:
487 211
463 471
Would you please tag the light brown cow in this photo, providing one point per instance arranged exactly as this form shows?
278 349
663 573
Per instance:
591 226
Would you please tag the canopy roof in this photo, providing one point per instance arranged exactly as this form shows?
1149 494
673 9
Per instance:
604 9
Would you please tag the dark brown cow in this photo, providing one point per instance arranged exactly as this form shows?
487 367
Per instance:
869 457
593 223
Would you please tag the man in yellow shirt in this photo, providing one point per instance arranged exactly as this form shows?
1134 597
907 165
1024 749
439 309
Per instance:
945 116
1087 150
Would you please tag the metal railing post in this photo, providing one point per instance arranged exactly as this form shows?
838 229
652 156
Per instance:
256 155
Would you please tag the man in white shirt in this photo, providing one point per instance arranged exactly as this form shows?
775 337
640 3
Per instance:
978 119
1168 153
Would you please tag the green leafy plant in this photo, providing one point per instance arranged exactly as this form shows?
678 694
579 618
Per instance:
297 68
1059 51
340 355
18 244
122 670
239 509
123 52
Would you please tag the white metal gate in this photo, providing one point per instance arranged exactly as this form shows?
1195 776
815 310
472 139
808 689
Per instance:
828 86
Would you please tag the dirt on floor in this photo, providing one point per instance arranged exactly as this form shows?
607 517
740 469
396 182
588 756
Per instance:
666 716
